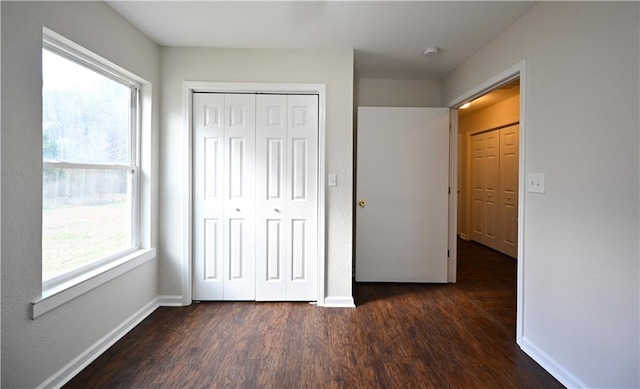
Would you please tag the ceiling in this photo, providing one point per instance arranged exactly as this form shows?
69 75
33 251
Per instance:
389 38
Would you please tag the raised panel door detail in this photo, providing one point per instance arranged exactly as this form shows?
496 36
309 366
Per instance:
237 116
298 252
299 116
211 249
299 169
478 218
212 115
236 167
274 250
236 257
478 169
275 116
490 221
274 168
211 167
510 213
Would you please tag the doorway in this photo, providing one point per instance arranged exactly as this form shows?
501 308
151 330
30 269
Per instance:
488 154
515 73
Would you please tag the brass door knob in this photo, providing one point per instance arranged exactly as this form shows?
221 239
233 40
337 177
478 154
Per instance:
361 203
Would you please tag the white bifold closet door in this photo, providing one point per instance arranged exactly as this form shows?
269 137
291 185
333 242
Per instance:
494 178
255 197
286 191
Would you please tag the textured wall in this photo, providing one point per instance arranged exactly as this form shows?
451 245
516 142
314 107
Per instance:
33 350
333 68
398 93
581 254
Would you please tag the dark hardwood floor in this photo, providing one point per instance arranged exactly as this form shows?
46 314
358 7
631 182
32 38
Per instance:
400 336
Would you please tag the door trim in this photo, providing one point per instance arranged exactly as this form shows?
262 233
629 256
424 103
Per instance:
191 87
518 70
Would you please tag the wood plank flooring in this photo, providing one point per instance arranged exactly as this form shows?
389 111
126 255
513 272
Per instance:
400 336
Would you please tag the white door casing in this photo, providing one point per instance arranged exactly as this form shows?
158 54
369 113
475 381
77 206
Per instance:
255 197
403 178
518 70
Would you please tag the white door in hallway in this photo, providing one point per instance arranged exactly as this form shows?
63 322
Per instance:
509 155
494 189
485 183
402 181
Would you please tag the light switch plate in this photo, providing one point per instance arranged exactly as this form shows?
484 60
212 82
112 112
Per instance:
332 179
536 183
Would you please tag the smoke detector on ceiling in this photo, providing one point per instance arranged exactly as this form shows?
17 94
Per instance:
431 52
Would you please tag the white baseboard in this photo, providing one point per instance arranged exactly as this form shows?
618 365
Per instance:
339 302
551 365
170 301
74 367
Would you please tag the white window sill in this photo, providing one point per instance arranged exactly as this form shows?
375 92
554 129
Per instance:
60 294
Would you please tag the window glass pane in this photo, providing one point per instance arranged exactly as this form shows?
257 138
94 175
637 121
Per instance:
85 115
87 216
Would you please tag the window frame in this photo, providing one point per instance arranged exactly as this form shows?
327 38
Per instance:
80 274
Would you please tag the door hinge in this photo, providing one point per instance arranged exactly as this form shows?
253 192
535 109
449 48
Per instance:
448 253
449 190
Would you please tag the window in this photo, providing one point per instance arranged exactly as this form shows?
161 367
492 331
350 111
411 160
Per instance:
90 165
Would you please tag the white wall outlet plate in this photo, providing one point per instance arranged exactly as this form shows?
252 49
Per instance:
535 183
332 179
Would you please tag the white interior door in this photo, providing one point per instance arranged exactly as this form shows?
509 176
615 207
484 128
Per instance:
287 176
224 205
302 192
403 179
239 197
271 203
255 174
208 195
485 178
494 177
509 147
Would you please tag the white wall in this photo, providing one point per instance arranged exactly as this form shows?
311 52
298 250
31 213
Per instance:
333 68
33 350
581 257
398 93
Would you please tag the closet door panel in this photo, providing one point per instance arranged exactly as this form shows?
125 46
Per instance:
239 198
491 188
301 192
208 167
478 174
509 147
271 204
